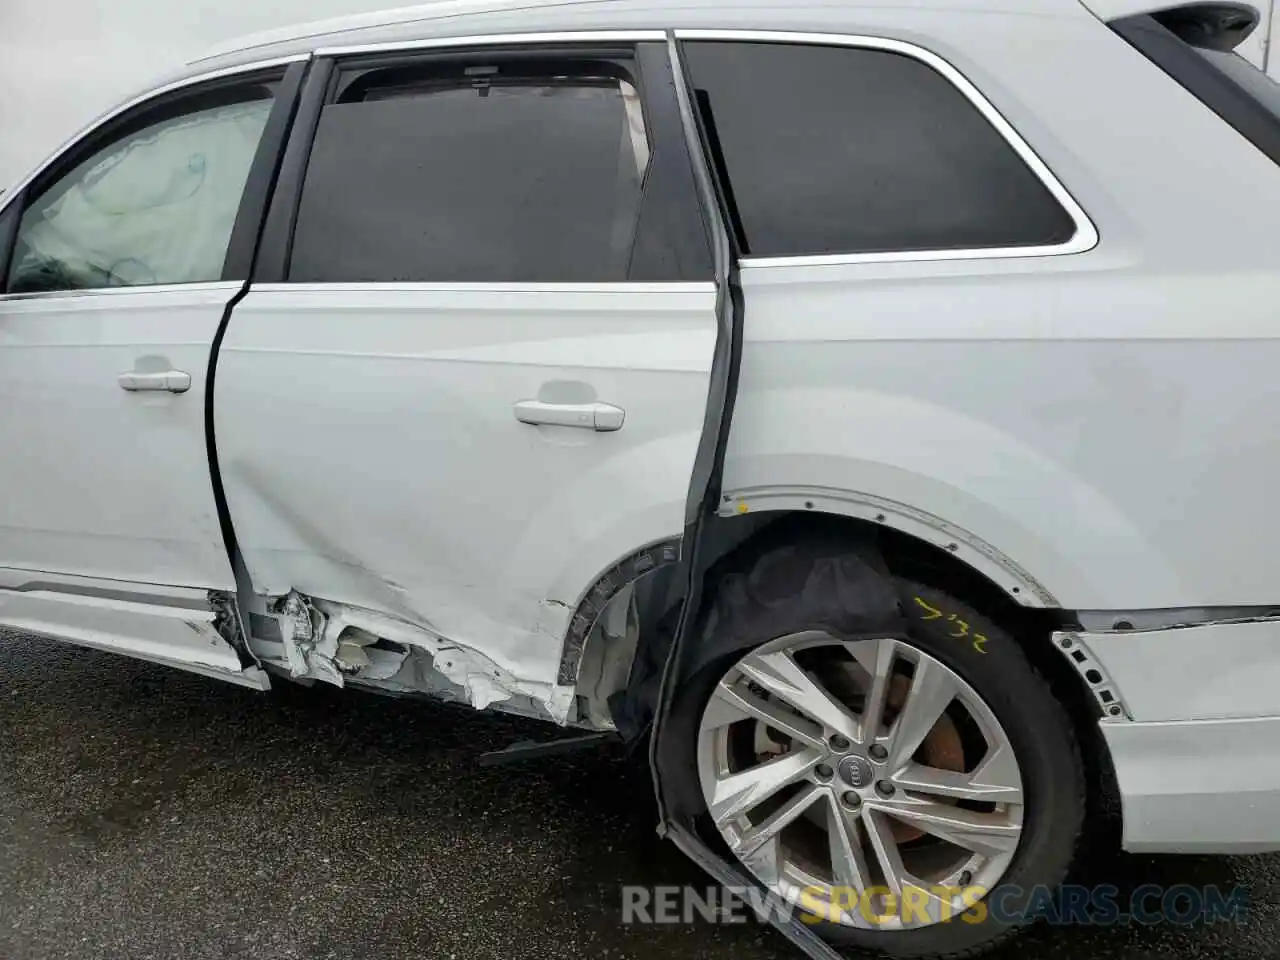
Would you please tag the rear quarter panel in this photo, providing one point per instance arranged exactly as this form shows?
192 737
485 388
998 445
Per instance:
1104 421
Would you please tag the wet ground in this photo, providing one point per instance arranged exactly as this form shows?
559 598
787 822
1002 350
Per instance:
145 813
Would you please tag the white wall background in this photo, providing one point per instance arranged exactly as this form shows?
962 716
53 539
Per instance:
1257 48
63 62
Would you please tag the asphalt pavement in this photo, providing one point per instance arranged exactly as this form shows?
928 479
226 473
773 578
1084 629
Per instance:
147 813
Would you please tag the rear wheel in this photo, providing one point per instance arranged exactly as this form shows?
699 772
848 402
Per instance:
889 785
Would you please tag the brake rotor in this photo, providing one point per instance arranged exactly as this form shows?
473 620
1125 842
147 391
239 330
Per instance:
941 748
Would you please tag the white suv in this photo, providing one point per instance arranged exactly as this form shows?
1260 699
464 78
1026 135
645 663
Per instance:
873 404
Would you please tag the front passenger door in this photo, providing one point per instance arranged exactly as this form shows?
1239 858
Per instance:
113 290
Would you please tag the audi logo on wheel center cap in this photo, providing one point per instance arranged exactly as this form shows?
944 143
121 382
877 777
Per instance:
856 772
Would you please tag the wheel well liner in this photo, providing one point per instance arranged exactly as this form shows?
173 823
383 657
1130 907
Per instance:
734 539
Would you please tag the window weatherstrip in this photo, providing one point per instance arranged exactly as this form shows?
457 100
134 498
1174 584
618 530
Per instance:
141 100
1085 238
502 286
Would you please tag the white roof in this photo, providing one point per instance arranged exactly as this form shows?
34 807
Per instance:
446 18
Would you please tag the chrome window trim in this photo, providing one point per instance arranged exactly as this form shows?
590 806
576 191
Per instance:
140 100
434 43
1084 239
225 286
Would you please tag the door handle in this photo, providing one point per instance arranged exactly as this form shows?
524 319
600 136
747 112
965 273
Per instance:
173 381
600 417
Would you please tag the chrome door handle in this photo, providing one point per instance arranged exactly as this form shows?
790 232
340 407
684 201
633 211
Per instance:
173 381
601 417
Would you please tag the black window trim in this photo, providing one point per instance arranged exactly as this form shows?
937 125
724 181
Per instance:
1213 88
274 252
85 139
1086 235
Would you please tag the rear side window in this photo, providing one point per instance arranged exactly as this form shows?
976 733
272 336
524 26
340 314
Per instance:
506 172
1193 45
844 150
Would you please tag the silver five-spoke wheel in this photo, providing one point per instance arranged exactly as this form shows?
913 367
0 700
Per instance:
859 776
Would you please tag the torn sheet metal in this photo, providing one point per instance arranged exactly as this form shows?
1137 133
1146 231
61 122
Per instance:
361 654
299 626
334 642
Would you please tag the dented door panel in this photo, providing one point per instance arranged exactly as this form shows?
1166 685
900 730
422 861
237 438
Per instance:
372 457
471 373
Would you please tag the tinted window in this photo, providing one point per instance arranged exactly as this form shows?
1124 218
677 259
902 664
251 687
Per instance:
156 204
833 150
496 175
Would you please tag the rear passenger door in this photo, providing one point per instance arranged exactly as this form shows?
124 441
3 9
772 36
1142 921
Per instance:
471 373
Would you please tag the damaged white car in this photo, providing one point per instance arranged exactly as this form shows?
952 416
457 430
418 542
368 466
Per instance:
869 403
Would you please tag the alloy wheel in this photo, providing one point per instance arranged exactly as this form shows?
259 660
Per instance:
853 777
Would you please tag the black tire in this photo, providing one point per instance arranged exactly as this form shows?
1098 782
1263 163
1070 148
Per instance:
779 589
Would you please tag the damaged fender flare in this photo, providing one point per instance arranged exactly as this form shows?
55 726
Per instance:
607 586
